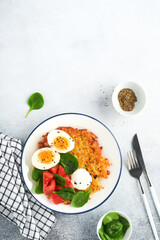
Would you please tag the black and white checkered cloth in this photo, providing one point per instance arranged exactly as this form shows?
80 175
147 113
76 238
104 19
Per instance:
16 203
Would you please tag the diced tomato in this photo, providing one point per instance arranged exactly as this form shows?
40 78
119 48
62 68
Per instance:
68 181
61 171
53 170
47 178
51 187
58 188
56 199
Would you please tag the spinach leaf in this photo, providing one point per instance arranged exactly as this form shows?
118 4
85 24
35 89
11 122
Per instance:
80 198
35 101
125 223
102 235
39 186
60 181
69 162
66 193
114 228
37 174
109 217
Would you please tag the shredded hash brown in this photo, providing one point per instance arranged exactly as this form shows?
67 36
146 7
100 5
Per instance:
89 154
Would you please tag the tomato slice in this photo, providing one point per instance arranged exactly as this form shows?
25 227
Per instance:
61 171
68 181
53 170
56 199
47 178
51 187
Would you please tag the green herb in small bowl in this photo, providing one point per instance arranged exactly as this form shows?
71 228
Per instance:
114 226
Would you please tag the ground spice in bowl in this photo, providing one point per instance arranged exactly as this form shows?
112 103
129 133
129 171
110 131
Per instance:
127 99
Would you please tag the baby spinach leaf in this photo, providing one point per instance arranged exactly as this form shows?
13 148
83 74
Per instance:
66 193
114 228
37 174
60 181
80 198
125 223
35 101
102 235
39 186
69 162
109 217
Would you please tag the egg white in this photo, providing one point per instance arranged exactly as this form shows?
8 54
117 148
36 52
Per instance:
81 179
44 166
58 133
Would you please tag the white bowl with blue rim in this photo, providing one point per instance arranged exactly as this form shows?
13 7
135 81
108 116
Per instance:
110 150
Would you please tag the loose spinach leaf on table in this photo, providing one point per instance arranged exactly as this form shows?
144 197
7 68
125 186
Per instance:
69 162
66 193
37 174
35 101
39 186
80 198
60 181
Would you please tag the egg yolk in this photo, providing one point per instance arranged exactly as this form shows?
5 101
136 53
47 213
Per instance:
61 143
46 156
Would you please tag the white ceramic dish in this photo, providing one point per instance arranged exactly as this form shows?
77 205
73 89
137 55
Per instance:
129 230
106 139
141 98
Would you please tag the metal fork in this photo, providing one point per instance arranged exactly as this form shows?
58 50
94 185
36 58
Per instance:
135 170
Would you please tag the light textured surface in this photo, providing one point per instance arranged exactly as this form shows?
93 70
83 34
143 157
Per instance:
75 53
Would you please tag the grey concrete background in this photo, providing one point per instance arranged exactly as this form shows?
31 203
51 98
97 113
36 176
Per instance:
75 53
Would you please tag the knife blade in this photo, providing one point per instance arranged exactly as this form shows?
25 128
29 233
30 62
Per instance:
137 149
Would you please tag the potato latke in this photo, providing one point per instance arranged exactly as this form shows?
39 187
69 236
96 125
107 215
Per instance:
89 155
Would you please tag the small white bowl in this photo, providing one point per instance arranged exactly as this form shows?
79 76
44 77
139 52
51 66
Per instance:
140 94
129 230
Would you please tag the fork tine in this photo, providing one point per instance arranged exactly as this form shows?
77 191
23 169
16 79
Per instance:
129 165
131 160
135 158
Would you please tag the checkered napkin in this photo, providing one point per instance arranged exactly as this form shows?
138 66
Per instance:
16 203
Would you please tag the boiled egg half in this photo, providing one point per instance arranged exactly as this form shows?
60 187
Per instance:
81 179
60 141
45 158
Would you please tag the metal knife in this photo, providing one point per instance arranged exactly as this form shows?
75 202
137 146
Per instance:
137 149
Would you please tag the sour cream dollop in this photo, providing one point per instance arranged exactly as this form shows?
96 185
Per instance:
81 179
